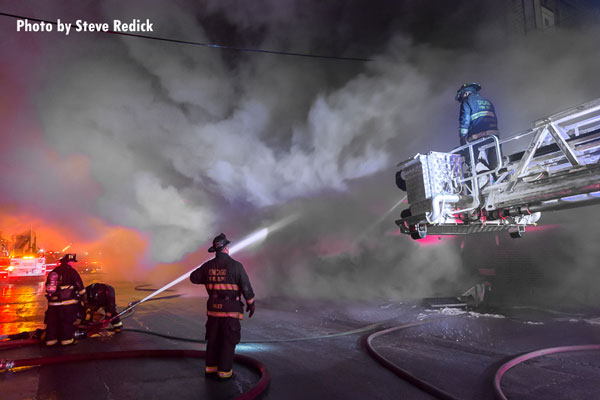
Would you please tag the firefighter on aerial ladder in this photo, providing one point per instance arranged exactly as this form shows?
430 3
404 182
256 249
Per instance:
477 119
226 282
64 289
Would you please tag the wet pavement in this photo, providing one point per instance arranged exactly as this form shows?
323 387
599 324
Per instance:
455 351
21 304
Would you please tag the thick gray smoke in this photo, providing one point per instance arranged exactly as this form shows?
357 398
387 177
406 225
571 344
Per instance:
185 140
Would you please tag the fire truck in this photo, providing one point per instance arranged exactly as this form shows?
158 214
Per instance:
23 260
552 166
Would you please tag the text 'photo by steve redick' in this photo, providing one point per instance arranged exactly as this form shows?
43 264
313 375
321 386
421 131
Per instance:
134 26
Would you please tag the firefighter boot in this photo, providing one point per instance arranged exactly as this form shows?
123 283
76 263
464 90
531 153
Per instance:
224 376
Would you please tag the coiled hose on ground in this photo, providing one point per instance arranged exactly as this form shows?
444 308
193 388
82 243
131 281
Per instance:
443 395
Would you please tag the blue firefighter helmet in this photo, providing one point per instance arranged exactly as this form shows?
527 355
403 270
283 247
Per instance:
467 87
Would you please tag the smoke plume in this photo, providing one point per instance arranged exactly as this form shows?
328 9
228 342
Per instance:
184 142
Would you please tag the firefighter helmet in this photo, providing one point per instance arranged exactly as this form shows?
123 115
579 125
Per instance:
69 257
219 243
96 294
467 87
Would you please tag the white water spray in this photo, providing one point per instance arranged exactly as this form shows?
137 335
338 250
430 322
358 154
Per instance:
249 240
379 220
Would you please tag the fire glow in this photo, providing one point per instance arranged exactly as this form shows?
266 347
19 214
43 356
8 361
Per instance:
121 248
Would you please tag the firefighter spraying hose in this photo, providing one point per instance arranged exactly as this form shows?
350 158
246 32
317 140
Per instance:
258 389
249 240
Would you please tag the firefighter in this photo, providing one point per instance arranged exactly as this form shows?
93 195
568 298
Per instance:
64 289
477 119
226 282
97 296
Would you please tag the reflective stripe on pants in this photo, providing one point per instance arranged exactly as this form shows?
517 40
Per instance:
225 374
222 335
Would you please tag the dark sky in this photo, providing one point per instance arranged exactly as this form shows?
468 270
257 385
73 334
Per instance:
160 146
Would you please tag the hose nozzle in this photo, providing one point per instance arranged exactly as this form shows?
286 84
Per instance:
6 365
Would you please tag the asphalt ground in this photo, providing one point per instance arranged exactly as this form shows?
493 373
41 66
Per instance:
298 342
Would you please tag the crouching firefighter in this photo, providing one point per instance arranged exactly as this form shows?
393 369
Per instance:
97 296
226 281
64 289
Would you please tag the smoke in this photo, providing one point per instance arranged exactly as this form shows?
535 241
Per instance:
187 141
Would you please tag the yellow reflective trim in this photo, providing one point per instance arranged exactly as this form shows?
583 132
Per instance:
51 342
483 114
67 287
63 303
211 369
82 291
221 314
250 301
66 342
222 286
225 374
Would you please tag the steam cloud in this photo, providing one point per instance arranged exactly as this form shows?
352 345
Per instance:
184 140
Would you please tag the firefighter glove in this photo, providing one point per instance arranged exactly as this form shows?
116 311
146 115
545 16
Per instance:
250 307
463 140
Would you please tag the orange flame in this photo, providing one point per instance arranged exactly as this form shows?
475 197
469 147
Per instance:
120 250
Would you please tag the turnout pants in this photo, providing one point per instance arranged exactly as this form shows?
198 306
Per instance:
112 309
222 335
59 324
485 159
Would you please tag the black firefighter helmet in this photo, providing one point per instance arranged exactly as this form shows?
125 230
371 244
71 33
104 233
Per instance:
219 243
467 87
69 257
96 294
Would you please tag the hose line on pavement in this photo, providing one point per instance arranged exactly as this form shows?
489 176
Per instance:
252 393
402 373
362 329
527 356
439 393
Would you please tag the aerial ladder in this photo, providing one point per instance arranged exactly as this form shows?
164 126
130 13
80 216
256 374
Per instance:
554 165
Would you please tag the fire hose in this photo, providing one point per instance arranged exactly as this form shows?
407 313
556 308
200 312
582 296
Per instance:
403 373
247 241
265 377
9 344
443 395
259 388
256 390
527 356
14 365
